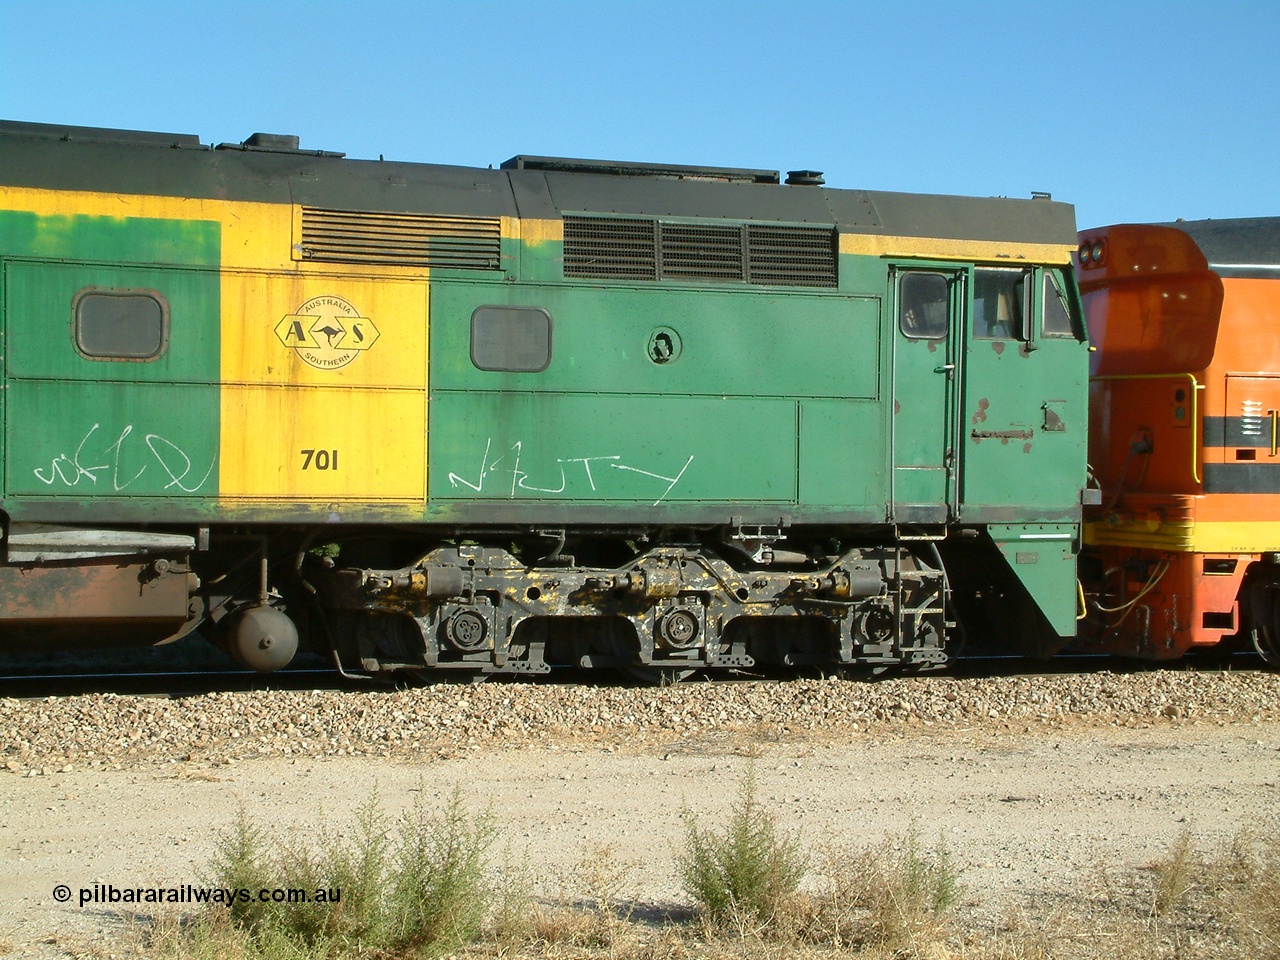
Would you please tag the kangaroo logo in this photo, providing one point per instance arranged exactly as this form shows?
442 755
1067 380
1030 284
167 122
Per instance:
327 332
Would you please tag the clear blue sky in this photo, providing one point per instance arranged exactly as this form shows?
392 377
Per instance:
1132 111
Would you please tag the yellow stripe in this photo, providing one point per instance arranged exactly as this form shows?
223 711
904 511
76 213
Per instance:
1190 537
533 231
873 245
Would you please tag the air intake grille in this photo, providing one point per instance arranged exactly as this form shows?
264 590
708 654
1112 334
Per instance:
618 248
401 239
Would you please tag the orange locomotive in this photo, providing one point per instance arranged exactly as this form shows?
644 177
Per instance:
1184 551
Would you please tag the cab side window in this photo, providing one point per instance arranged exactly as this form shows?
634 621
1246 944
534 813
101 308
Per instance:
1000 304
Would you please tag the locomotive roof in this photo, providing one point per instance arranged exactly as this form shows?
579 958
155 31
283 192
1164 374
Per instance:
272 168
1237 248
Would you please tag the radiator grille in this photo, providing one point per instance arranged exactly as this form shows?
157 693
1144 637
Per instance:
620 248
701 252
402 239
801 256
611 249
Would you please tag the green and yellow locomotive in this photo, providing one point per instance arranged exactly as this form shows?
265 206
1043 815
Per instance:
563 412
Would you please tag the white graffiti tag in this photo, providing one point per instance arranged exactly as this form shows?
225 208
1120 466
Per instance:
520 478
171 460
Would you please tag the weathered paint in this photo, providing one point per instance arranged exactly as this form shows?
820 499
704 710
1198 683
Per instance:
933 248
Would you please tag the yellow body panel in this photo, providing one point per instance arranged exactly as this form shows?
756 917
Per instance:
316 444
295 378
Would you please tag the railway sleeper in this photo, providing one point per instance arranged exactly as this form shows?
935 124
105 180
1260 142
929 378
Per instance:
668 613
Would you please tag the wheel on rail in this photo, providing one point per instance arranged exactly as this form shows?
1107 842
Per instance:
1263 619
626 656
658 676
1266 638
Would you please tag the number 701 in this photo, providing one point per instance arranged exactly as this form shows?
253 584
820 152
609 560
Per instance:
320 459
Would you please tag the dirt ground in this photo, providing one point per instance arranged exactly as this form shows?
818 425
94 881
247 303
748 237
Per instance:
1026 815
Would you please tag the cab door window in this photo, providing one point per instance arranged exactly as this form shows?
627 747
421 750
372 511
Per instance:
923 300
1000 304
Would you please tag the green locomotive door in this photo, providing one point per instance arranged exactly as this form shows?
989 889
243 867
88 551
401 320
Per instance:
929 306
1022 442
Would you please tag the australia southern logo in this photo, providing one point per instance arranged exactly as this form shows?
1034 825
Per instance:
327 332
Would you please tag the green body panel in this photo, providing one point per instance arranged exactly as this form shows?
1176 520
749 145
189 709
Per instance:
771 398
1043 556
1038 398
109 429
113 440
731 343
842 457
598 447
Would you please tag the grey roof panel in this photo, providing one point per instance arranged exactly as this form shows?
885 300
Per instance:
1244 247
77 158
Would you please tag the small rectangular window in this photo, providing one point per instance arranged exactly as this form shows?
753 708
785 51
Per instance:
120 324
923 300
999 304
1057 316
511 339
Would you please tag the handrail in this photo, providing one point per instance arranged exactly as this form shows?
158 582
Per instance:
1196 387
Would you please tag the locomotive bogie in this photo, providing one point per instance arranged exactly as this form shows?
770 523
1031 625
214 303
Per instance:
670 607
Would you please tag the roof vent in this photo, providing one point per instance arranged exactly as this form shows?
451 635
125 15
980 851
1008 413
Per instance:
272 141
805 178
277 143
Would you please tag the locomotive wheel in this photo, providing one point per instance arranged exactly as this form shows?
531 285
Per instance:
1265 631
625 652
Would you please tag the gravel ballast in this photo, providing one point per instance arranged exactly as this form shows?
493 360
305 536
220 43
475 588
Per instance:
106 730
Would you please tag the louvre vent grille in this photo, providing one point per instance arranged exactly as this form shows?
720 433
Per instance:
619 248
401 239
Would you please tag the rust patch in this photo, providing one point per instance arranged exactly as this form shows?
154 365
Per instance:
897 407
1024 350
1026 448
1004 436
933 345
997 346
93 597
980 415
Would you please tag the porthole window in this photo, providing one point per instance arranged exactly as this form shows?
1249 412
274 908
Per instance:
511 339
120 324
